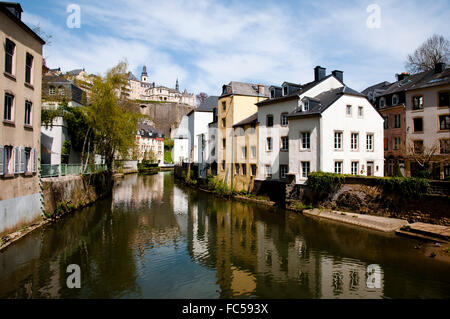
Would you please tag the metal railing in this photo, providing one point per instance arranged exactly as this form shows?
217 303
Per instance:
48 170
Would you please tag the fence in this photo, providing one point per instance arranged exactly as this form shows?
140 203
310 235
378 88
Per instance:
48 170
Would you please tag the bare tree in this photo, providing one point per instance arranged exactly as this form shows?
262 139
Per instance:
434 50
201 97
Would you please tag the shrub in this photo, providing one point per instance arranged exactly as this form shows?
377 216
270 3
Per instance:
323 184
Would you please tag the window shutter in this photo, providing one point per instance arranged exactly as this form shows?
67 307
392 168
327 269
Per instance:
34 160
22 160
1 159
16 160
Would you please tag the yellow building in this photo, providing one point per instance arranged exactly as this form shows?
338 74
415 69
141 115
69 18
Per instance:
236 104
246 155
20 127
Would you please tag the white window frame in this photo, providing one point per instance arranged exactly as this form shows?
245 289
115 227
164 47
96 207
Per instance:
269 144
303 165
348 107
285 138
352 142
360 112
341 167
283 171
338 138
355 171
370 142
254 151
268 171
308 141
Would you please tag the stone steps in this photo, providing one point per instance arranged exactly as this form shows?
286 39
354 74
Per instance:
427 231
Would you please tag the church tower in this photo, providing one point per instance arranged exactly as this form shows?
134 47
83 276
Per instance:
144 76
177 87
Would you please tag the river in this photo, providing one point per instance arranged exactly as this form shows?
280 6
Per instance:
153 238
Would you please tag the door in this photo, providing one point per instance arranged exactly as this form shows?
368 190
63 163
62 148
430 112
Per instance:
369 168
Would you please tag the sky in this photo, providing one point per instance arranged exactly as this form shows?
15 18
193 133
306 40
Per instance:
206 44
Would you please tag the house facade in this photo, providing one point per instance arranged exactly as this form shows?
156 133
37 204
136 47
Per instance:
337 131
246 155
180 152
274 124
237 102
417 123
20 90
198 120
149 143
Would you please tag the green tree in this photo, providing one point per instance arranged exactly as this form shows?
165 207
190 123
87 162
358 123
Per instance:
113 119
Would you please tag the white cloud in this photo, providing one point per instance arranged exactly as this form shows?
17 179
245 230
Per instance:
208 43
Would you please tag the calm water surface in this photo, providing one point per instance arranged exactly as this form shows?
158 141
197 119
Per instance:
156 239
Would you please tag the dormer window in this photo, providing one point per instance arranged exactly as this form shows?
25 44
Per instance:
305 105
395 99
272 93
382 102
285 90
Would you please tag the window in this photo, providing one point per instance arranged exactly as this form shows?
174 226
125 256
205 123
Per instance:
354 141
338 167
397 122
7 159
355 168
349 110
213 151
284 119
224 123
284 143
9 56
306 169
253 167
61 91
28 113
272 93
285 90
418 146
445 146
397 142
224 143
283 171
306 105
244 151
305 140
223 165
244 169
360 111
395 99
28 68
338 140
269 144
268 171
417 102
382 102
26 161
8 112
269 121
51 90
237 169
253 151
444 99
386 122
444 122
369 142
224 106
386 144
418 124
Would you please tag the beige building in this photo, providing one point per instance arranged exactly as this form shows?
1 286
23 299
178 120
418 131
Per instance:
20 90
246 154
148 91
236 104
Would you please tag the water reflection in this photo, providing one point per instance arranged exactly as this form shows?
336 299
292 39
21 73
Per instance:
156 239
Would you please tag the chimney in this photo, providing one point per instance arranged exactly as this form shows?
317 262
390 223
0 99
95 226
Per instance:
319 73
339 75
402 76
260 89
439 67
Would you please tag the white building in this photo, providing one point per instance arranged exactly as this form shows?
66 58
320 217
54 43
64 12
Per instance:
144 90
198 121
323 126
180 138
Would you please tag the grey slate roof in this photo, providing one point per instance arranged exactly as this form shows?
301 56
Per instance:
242 88
324 100
131 77
249 120
379 86
295 94
419 81
147 130
75 72
209 104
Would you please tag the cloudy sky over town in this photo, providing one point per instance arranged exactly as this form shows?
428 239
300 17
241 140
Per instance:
208 43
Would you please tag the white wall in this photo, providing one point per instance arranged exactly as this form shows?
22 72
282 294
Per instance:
198 124
180 150
322 155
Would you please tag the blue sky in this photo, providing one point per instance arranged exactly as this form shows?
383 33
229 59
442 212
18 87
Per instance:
206 44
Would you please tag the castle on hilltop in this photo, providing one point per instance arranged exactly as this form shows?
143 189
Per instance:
144 90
